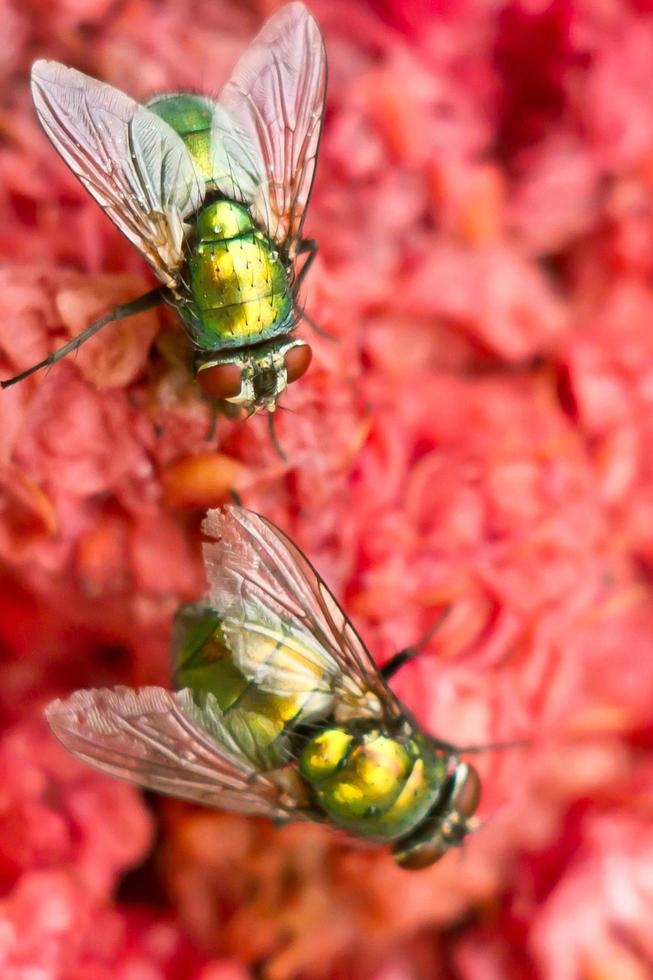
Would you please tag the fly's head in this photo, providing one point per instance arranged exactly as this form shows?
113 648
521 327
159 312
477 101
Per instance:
448 824
253 379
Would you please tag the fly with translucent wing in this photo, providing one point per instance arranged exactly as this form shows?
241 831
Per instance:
214 195
278 710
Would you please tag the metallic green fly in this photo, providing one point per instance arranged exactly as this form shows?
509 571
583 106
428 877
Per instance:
278 710
214 195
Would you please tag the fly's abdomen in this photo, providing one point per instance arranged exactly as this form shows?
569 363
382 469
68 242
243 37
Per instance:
258 719
375 785
238 283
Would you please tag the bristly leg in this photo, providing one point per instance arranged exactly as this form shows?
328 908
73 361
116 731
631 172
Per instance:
397 661
154 298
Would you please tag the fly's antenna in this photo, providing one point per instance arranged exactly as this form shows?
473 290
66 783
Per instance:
273 436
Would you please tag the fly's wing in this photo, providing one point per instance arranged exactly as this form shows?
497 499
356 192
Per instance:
132 162
269 119
283 627
164 741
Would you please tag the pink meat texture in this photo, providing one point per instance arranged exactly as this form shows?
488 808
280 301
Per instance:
481 437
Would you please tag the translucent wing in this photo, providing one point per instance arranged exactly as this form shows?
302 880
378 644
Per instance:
237 165
133 163
284 628
274 104
165 742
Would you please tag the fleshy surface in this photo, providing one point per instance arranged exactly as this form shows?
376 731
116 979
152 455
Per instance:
480 437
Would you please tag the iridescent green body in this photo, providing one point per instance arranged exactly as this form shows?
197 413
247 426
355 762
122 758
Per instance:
191 116
260 720
373 783
380 784
240 292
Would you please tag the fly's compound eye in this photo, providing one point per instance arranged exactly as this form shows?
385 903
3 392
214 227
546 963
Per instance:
220 380
450 827
467 795
297 360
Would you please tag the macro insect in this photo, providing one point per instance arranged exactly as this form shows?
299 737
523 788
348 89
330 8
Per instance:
214 195
278 710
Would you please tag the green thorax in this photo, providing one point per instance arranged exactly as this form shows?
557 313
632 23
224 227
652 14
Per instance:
372 783
239 288
239 284
259 720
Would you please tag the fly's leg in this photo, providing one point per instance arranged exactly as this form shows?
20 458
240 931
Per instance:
309 248
397 661
274 438
146 302
323 333
517 743
402 657
214 410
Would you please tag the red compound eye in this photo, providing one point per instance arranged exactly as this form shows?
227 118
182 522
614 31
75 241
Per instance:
468 794
221 380
297 360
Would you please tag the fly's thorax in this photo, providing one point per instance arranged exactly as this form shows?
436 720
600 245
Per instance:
191 116
450 821
238 282
254 377
261 720
372 783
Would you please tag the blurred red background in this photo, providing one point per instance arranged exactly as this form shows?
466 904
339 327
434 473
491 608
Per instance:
482 435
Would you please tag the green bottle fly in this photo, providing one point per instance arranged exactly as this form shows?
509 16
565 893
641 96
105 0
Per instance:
214 195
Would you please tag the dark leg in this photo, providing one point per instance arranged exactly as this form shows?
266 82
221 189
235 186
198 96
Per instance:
273 437
402 657
235 496
307 246
214 409
146 302
323 333
310 246
519 743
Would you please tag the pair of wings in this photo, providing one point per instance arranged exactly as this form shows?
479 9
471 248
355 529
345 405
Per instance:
260 584
264 141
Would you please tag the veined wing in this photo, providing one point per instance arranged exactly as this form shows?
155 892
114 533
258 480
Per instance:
284 628
133 163
164 741
274 105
